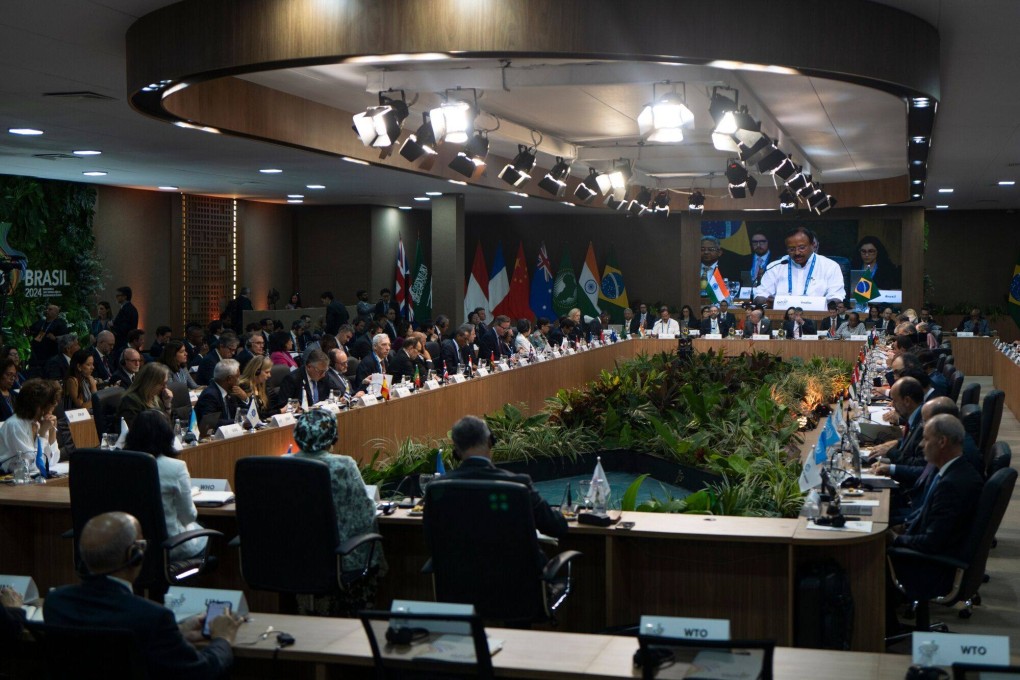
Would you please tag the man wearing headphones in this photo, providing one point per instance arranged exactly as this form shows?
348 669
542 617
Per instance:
113 550
472 446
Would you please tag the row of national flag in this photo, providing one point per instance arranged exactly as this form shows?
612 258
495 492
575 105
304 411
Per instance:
412 288
529 294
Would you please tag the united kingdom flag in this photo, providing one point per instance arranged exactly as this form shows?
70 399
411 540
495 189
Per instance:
400 286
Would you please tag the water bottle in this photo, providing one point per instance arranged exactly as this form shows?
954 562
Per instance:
178 428
23 468
812 504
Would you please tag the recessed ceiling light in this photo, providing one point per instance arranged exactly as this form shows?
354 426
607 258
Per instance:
918 140
916 181
189 126
457 181
945 191
941 207
568 203
24 131
294 200
167 188
433 193
874 205
405 207
356 161
1006 183
917 162
916 195
86 152
315 186
93 173
516 207
270 171
295 195
758 209
422 198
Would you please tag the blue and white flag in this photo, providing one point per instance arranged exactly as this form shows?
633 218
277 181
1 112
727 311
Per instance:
41 461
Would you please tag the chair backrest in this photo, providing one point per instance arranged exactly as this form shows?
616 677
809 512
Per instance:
104 409
955 385
940 362
971 394
182 401
949 368
968 671
352 367
287 523
398 660
991 417
1002 457
991 507
435 351
481 537
88 653
657 651
970 416
126 481
276 375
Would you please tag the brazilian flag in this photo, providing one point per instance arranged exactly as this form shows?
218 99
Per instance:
612 291
865 290
1014 294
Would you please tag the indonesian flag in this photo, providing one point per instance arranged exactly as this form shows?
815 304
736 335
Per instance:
717 290
400 284
477 291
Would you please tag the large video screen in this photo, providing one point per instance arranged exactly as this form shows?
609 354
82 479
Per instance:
855 245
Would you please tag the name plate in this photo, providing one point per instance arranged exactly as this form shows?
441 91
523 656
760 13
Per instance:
77 415
694 333
712 336
22 585
211 484
328 406
523 361
399 392
372 491
188 602
568 351
421 607
859 338
229 431
502 366
481 372
672 336
432 384
457 378
761 336
945 649
809 337
368 400
540 358
809 303
965 334
282 420
685 628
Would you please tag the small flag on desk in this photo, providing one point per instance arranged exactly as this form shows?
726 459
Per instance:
193 423
41 461
253 412
417 378
440 467
384 391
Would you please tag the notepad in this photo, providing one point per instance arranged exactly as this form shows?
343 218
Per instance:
860 527
211 499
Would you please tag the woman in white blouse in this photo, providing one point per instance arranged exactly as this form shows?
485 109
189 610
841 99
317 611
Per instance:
522 345
852 326
151 433
33 417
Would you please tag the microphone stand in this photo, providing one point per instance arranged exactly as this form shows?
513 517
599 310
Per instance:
784 260
833 516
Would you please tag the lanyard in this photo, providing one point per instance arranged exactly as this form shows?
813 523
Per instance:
789 275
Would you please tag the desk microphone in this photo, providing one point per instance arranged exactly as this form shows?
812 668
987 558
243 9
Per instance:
785 260
407 503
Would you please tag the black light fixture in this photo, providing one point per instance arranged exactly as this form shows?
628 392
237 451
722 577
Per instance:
750 144
739 182
787 202
661 204
799 183
639 206
554 181
518 171
820 201
665 117
472 156
421 143
729 119
614 203
379 126
589 188
696 203
775 162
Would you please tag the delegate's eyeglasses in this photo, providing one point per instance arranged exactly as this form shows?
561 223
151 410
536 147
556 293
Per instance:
798 249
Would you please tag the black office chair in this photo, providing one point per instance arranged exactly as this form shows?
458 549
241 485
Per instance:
656 651
87 653
485 552
949 368
970 416
288 535
955 385
104 410
276 375
909 568
182 401
352 367
991 418
396 640
971 394
1002 458
128 481
968 671
941 361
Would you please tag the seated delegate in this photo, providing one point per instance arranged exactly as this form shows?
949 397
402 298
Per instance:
147 391
33 417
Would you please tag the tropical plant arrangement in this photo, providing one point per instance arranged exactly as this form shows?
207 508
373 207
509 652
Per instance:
738 417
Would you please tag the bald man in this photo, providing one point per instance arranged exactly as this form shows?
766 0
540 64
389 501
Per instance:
113 549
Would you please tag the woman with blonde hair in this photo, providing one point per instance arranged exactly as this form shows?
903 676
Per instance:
148 391
254 379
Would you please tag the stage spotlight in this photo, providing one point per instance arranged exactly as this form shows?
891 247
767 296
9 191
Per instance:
787 203
554 180
740 183
614 203
453 121
639 206
696 203
518 171
420 143
661 204
472 156
588 189
750 144
379 126
775 162
662 120
821 202
619 176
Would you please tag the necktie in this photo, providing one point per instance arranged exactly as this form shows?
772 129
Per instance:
832 328
106 364
314 387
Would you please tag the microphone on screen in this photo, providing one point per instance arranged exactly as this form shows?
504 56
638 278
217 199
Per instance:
408 502
785 260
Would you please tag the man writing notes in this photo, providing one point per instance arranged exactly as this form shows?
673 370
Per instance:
802 271
665 325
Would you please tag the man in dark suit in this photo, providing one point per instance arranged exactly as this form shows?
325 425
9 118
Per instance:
642 318
759 258
163 335
946 513
56 367
472 446
452 351
363 344
907 396
714 323
490 345
757 324
939 383
194 336
404 361
307 385
127 316
336 376
798 326
726 316
44 334
375 362
237 308
222 396
254 346
113 549
831 323
386 303
336 314
130 363
225 349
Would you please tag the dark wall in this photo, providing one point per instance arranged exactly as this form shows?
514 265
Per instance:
332 248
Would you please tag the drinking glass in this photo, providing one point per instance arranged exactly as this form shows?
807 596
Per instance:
334 396
292 406
424 480
584 499
110 440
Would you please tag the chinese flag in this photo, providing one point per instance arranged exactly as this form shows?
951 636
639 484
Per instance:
517 304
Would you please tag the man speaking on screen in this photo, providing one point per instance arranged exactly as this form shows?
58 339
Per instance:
801 271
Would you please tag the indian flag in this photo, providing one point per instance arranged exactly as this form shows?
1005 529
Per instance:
717 290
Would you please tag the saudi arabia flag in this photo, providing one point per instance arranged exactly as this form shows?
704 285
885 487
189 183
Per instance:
612 291
588 302
564 287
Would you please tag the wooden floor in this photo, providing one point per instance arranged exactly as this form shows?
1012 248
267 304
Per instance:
999 613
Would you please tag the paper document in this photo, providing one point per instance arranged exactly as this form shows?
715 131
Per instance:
456 648
859 526
211 499
711 664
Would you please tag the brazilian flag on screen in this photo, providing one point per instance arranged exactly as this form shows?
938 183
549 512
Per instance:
865 289
612 291
1014 294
